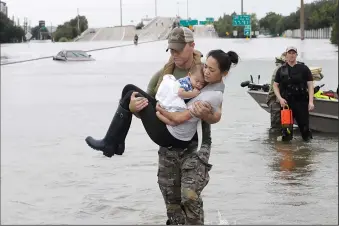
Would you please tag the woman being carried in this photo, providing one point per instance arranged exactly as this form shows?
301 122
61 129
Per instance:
182 124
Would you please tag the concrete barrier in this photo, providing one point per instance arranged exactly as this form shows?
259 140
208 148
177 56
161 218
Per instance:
322 33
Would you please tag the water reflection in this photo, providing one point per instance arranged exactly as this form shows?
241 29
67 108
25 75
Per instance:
292 162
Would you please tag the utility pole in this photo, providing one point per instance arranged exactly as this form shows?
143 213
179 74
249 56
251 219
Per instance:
25 25
178 8
78 22
302 17
155 8
121 13
242 7
187 8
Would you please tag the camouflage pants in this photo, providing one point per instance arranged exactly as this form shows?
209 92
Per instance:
275 115
182 176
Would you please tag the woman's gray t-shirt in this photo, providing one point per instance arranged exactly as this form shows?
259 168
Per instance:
211 93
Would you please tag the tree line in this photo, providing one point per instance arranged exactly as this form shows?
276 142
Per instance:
318 14
69 30
9 32
335 28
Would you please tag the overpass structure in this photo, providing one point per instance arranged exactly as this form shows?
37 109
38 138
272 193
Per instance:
157 29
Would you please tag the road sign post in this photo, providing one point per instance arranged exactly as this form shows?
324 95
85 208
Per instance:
247 31
243 21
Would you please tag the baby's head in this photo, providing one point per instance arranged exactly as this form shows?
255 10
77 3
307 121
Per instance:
196 75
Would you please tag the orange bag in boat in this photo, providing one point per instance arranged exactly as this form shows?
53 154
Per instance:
286 117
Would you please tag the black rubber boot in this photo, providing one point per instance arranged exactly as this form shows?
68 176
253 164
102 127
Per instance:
114 141
287 134
307 135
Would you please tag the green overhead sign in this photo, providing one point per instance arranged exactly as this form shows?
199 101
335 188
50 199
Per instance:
241 20
187 23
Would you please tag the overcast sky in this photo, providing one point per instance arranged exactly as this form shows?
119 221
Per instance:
102 13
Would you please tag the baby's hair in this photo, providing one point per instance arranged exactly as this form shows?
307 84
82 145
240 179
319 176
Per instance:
197 68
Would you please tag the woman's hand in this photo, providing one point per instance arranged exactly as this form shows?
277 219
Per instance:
201 109
136 104
163 112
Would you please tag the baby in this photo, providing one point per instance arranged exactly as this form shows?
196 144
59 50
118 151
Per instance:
173 94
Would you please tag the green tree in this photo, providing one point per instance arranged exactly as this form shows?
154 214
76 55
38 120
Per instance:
318 14
272 22
69 30
9 32
335 28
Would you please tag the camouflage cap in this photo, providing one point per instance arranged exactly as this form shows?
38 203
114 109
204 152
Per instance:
178 38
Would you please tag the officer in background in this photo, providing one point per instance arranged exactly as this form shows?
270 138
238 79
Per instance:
272 101
293 86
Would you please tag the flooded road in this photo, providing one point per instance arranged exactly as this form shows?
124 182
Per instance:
50 176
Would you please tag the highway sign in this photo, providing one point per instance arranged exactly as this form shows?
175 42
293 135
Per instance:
202 22
241 20
193 22
247 31
186 23
210 19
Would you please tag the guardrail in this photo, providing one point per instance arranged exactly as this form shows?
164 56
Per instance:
93 50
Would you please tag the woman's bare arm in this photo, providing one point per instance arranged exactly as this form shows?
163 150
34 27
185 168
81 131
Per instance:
165 120
175 117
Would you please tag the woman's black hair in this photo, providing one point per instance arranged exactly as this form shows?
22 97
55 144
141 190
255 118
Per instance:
225 60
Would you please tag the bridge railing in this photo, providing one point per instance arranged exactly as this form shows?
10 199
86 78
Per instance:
148 24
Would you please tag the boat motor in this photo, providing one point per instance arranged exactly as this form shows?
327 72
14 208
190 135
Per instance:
252 86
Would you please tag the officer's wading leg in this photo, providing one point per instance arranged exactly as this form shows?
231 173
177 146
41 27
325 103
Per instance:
195 176
275 116
301 115
169 180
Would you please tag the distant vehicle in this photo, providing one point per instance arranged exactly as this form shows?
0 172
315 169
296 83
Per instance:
73 55
92 31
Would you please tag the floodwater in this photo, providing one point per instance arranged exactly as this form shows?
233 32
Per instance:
50 176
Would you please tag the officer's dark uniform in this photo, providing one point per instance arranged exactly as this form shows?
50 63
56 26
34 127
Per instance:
293 88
